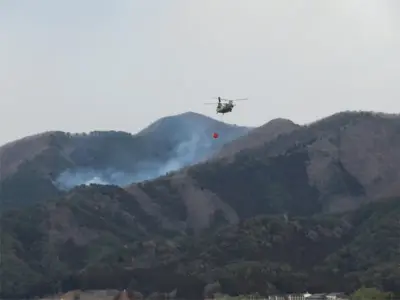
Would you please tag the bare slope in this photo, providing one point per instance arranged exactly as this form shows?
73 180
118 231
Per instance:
258 137
13 154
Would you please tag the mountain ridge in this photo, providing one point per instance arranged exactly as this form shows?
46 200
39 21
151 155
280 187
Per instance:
56 161
258 136
305 159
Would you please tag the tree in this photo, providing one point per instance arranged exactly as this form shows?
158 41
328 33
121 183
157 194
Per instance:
365 293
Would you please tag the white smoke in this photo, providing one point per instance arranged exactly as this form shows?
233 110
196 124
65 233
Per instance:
188 152
74 177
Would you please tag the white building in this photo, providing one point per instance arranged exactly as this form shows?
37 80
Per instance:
290 297
335 296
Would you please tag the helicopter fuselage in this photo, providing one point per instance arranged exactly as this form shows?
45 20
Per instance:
225 108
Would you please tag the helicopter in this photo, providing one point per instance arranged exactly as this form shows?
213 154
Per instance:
223 108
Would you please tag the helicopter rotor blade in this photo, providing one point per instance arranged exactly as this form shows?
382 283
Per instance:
242 99
222 99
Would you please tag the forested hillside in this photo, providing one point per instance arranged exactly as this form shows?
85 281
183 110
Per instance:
266 254
305 210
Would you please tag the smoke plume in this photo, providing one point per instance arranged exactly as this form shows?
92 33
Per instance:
186 153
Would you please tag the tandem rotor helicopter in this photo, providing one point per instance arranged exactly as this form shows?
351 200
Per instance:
224 107
227 106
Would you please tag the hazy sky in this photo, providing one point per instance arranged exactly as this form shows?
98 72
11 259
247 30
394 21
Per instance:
79 65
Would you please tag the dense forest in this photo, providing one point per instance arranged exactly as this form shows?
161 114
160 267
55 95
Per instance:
265 254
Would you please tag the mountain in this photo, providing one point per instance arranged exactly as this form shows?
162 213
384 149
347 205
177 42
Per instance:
258 137
304 210
333 165
49 163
